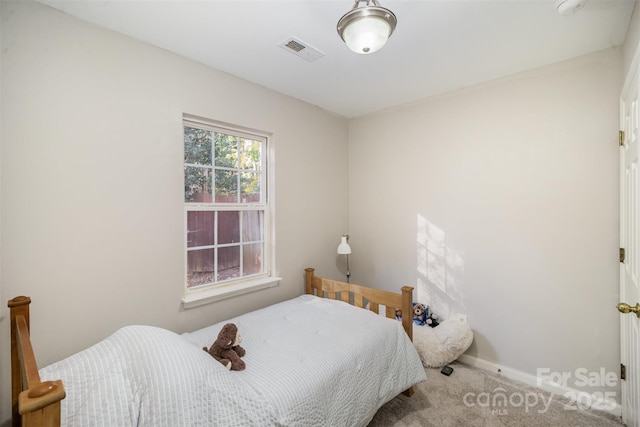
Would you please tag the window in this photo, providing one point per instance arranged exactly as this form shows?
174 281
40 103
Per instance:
227 218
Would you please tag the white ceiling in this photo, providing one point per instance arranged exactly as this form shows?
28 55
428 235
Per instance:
438 46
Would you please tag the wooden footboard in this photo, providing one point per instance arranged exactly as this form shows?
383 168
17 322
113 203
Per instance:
33 402
361 296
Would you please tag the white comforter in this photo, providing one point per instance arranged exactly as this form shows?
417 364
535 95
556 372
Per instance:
310 362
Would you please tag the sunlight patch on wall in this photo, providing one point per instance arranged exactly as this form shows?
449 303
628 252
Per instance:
440 270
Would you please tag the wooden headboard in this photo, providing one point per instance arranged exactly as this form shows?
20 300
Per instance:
33 402
361 295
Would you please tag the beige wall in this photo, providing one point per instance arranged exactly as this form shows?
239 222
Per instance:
501 202
92 213
632 39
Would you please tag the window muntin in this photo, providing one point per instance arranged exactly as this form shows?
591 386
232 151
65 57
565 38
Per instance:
225 205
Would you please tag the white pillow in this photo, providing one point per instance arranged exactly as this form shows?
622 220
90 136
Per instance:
443 344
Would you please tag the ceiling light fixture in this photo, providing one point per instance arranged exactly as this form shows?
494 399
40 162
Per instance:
366 29
569 7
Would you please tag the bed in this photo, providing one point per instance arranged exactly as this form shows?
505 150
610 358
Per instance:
329 357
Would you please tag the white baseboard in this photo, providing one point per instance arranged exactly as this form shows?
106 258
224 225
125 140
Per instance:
580 398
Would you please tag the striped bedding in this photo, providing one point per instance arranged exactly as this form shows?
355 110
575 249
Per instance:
310 362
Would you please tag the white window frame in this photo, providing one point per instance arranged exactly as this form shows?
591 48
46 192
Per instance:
205 294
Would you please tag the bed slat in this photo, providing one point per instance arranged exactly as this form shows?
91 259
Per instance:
375 307
390 312
358 300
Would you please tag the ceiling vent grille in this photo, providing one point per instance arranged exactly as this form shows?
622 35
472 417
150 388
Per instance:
294 45
302 49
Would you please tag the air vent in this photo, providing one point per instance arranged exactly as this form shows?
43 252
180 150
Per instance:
294 45
302 49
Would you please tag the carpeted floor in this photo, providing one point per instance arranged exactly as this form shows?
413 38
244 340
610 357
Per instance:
474 397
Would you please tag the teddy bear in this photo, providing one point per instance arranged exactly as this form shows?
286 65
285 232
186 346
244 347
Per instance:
432 319
419 313
226 348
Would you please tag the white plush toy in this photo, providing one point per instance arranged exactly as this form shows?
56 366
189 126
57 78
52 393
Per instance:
443 344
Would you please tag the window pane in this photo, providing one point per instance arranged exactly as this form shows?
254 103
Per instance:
226 186
197 184
200 228
197 146
226 151
250 182
200 267
251 152
228 262
228 227
251 226
252 259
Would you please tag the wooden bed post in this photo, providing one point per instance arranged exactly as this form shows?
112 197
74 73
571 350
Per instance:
308 280
407 307
407 320
18 306
33 402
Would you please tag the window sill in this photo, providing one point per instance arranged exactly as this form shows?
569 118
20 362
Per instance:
198 298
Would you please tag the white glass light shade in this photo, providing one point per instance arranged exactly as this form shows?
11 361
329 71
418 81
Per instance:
366 29
569 7
367 34
343 247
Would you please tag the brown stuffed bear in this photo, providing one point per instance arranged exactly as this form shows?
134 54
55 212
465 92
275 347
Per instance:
226 348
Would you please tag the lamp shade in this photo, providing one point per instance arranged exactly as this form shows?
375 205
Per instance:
366 29
343 247
367 35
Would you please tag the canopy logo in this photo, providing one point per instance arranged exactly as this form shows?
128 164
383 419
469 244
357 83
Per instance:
499 400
